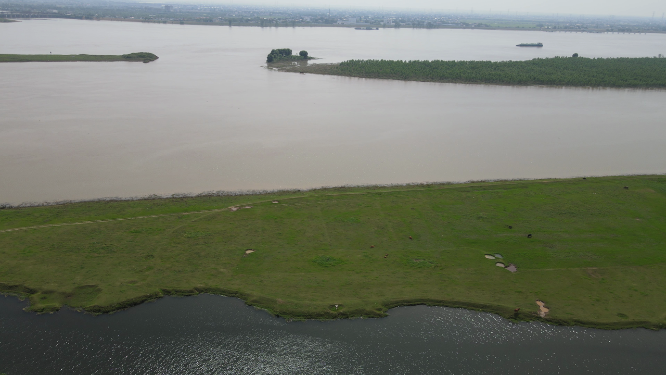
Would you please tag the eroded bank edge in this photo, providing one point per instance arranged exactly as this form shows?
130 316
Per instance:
268 304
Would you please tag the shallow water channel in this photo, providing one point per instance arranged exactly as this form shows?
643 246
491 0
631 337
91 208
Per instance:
207 115
214 335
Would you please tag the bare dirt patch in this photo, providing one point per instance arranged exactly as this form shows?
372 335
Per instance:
488 256
592 272
511 267
499 264
543 310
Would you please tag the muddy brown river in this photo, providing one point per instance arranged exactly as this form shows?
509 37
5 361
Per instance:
207 116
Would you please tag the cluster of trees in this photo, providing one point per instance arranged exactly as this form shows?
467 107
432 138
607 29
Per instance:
285 53
644 72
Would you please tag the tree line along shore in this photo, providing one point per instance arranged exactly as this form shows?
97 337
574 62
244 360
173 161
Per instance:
646 72
589 252
145 57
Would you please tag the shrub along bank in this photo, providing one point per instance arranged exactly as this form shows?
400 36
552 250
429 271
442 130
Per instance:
558 71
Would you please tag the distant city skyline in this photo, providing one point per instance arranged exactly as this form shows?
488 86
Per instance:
636 8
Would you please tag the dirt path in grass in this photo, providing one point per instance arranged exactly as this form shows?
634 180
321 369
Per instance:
113 220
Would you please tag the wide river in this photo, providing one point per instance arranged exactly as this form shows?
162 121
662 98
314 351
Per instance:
207 116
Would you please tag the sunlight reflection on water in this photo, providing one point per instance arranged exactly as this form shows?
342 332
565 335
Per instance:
216 335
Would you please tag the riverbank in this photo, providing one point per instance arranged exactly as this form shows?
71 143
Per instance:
595 255
145 57
644 72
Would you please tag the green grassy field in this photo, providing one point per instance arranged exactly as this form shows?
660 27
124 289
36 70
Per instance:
136 56
645 72
597 255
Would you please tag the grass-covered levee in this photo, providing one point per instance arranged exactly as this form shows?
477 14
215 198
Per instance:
596 255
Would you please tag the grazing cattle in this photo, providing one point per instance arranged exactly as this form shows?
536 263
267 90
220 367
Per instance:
386 256
516 310
510 227
372 246
529 235
410 237
626 187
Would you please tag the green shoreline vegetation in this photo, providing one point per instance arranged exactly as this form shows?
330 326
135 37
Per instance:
646 72
145 57
596 255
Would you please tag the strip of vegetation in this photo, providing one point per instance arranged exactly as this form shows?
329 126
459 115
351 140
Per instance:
593 250
285 54
145 57
6 20
646 72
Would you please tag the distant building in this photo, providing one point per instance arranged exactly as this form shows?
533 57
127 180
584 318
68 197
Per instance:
168 8
348 21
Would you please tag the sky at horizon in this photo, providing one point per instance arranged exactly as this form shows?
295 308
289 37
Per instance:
636 8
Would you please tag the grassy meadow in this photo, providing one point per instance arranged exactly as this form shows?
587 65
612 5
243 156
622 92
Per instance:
596 257
136 56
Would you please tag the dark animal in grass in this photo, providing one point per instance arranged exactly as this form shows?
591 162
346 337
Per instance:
516 310
410 237
529 235
386 256
626 187
510 227
372 246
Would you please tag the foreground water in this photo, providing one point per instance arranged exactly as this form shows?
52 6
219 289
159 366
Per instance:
207 116
215 335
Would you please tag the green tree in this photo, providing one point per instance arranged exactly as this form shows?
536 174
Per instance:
574 55
303 54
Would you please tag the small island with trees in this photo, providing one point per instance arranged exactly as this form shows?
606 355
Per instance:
145 57
285 54
642 72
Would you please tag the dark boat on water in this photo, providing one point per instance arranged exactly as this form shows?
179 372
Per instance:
529 45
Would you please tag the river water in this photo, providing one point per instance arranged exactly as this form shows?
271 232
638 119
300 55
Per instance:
215 335
206 115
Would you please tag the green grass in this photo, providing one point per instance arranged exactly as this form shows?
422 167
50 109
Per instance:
597 255
136 56
644 72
